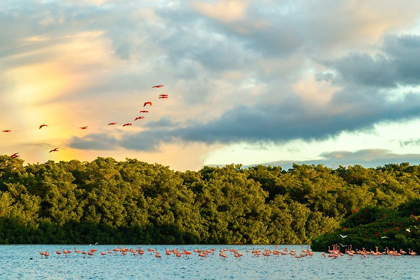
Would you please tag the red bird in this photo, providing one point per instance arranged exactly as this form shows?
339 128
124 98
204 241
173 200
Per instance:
54 150
145 103
139 118
15 155
144 111
163 96
6 130
84 127
112 123
127 124
42 125
158 86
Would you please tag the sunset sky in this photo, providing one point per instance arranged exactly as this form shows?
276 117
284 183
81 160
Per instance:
249 82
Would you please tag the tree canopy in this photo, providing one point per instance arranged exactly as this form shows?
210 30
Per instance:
109 201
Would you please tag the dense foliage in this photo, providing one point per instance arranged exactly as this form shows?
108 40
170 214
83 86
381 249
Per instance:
369 227
108 201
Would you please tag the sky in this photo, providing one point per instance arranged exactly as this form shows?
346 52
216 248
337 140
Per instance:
248 82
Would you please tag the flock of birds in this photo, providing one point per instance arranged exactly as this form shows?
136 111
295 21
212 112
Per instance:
161 96
335 252
224 253
201 253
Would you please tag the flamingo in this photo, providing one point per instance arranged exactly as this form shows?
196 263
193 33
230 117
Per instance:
42 125
158 86
145 103
144 111
112 123
54 150
83 127
223 255
139 118
6 130
127 124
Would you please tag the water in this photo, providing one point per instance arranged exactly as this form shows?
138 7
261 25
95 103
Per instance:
15 263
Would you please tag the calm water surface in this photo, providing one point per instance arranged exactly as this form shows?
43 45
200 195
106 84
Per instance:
15 263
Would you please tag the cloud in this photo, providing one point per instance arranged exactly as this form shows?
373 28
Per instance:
94 141
235 71
410 142
399 65
280 123
367 158
223 10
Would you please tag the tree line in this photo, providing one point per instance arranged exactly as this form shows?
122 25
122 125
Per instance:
133 202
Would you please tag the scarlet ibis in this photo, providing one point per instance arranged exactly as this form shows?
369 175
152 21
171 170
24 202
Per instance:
163 96
7 130
158 86
145 103
15 155
42 125
139 118
54 150
84 127
112 123
127 124
144 111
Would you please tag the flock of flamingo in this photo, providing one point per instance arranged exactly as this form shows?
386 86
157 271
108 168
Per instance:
225 253
335 252
161 96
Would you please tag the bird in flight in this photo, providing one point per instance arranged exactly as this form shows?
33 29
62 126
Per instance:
163 96
158 86
54 150
112 123
139 118
42 125
15 155
144 111
84 127
6 130
343 236
127 124
145 103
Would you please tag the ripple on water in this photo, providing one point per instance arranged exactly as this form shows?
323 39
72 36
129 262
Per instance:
15 263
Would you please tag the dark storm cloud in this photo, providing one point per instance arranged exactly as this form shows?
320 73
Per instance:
400 64
293 120
289 121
